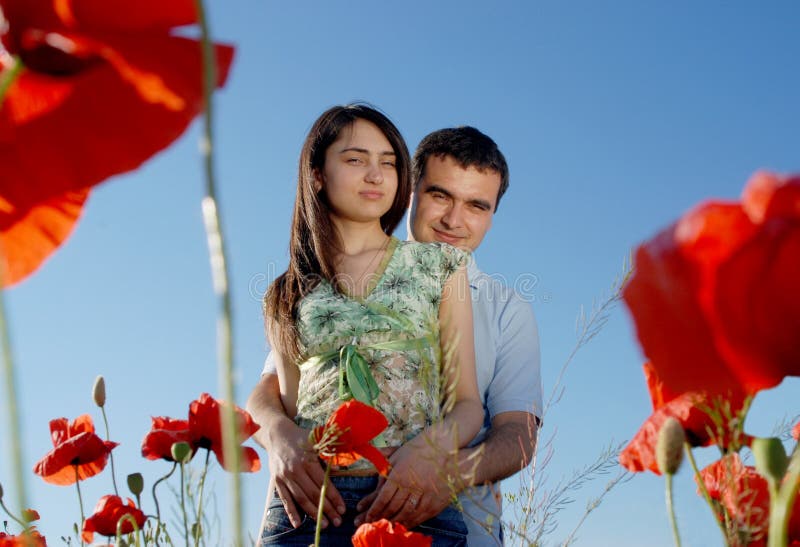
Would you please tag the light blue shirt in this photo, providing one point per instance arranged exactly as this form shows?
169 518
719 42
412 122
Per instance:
509 379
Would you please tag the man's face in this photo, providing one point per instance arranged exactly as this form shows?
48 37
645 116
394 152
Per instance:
452 204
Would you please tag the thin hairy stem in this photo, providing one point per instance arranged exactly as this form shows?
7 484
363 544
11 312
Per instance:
111 455
671 509
80 500
11 398
183 506
198 526
219 273
321 508
702 486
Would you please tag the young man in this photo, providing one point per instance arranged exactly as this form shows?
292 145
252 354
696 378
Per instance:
460 176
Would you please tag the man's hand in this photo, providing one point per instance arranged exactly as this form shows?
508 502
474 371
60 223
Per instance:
416 489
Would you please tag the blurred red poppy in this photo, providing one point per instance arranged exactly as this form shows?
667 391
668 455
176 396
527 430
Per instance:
383 533
105 85
796 431
744 494
77 454
205 431
713 296
34 539
704 419
163 434
107 513
346 436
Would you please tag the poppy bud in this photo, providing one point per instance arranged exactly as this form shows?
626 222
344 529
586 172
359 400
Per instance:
771 460
99 391
669 448
181 452
136 483
30 515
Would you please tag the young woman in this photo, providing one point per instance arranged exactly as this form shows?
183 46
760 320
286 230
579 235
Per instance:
400 306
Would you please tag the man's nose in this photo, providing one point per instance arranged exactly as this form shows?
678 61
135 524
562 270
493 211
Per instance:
453 217
374 173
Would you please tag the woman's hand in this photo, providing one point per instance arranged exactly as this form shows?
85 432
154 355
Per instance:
298 476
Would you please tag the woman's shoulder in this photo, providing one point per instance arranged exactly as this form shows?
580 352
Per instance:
442 256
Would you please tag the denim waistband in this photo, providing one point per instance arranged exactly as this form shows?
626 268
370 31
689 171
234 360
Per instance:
355 484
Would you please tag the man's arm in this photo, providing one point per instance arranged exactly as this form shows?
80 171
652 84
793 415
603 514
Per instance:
437 477
514 395
294 467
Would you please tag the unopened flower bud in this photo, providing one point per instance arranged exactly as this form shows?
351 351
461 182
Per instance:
181 452
135 483
669 448
30 515
99 391
771 460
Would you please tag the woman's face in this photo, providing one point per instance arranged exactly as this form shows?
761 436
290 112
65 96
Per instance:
359 176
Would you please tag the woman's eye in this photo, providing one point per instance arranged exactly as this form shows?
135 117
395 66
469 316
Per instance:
388 163
354 161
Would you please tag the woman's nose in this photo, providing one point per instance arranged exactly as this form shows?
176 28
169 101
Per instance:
374 174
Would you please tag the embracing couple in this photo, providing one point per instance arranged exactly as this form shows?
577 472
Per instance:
430 326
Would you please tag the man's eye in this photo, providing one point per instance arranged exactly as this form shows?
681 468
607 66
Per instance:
438 195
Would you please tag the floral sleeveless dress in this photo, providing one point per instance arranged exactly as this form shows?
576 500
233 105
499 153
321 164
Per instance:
395 328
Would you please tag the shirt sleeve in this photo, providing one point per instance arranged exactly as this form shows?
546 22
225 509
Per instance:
517 382
269 364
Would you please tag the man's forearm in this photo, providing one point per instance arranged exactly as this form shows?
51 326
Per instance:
264 405
508 448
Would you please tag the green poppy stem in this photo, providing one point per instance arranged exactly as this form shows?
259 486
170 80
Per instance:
80 502
198 526
155 500
321 507
671 509
702 486
11 515
183 507
136 529
219 274
111 454
11 399
782 501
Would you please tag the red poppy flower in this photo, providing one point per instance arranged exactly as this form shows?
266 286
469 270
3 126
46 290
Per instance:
383 533
76 447
205 431
346 436
705 420
744 494
164 433
796 431
105 85
107 513
34 539
713 297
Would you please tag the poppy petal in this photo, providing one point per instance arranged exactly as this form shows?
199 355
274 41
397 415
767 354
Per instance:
28 237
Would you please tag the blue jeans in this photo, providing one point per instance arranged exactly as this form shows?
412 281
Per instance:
447 528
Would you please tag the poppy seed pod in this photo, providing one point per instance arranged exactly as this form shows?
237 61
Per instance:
771 460
136 483
669 448
99 391
181 452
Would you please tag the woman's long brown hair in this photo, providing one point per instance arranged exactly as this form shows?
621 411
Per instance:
313 239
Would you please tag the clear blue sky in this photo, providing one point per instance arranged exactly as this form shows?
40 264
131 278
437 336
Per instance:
615 118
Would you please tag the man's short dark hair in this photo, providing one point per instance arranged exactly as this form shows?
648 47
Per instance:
468 147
